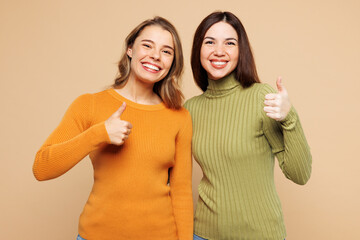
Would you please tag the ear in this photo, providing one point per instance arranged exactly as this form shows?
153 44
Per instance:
129 52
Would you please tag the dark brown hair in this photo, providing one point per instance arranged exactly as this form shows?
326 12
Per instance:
167 89
245 71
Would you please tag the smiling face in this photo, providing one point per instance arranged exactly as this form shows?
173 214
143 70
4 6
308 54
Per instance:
151 55
219 51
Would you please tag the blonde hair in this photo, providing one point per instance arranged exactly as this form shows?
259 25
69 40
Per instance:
168 88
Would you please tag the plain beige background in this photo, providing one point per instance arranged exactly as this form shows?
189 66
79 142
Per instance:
53 51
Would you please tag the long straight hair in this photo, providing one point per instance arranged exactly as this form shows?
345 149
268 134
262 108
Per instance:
245 71
168 88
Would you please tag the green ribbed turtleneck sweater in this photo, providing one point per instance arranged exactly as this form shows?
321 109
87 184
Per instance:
235 143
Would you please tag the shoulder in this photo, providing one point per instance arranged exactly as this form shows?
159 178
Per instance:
83 100
261 89
102 94
264 88
89 97
95 99
193 101
80 110
178 120
181 114
184 122
87 101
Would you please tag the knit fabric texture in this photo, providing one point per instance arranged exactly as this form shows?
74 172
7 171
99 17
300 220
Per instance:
142 189
235 144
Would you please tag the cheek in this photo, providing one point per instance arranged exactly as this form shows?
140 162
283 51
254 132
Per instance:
203 57
139 53
203 54
235 55
168 62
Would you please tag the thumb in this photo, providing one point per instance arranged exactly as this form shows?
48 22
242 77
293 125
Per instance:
120 110
279 84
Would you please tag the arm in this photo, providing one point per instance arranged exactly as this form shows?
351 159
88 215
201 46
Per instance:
288 143
71 141
180 182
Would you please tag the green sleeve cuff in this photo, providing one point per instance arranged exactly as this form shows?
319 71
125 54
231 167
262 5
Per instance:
290 120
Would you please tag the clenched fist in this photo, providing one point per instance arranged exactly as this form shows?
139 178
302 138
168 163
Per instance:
117 129
277 104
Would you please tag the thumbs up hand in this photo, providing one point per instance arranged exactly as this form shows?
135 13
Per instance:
117 129
277 105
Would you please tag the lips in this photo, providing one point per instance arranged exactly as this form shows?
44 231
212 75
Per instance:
218 64
151 67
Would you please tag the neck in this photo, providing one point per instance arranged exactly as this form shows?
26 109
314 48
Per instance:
222 86
139 92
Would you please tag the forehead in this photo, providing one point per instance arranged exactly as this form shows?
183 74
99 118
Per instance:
156 34
221 30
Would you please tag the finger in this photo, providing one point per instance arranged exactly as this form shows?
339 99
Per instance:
271 96
271 109
126 129
120 110
279 84
272 103
126 124
281 88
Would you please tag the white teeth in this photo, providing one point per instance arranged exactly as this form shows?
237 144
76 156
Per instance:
219 63
151 66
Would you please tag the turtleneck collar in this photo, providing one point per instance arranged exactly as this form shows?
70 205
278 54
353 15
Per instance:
222 87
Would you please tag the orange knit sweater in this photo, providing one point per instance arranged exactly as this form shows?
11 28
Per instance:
131 197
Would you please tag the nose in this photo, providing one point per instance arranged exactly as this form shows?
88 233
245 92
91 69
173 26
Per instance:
155 54
219 50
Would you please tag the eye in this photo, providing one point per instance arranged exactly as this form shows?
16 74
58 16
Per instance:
231 43
209 42
168 52
146 45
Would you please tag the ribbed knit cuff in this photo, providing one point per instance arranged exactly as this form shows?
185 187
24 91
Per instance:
99 134
290 120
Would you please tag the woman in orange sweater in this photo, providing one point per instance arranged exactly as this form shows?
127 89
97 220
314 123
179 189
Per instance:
139 140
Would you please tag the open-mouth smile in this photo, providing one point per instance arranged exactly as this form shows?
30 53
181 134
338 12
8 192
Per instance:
151 67
218 64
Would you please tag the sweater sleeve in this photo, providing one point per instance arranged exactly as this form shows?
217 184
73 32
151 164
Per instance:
71 141
288 143
180 182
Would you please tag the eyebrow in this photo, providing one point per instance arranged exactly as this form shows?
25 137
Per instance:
151 41
227 39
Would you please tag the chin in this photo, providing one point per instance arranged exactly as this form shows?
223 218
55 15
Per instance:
217 76
151 79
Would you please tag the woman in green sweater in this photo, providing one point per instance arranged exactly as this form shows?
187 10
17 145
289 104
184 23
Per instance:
240 126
